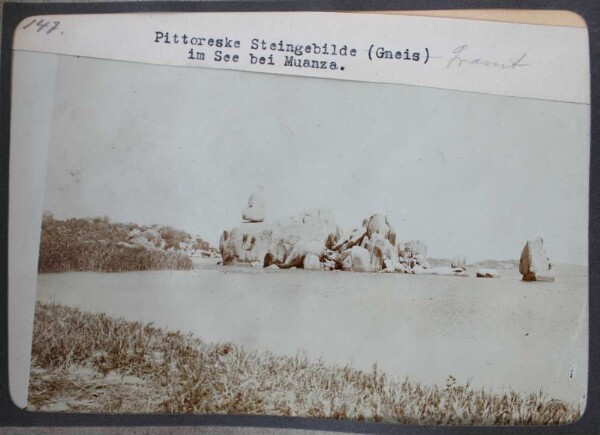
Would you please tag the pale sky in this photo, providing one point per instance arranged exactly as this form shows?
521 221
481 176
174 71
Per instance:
468 173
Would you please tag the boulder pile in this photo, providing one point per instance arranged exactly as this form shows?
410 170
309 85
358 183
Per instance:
313 240
535 264
373 248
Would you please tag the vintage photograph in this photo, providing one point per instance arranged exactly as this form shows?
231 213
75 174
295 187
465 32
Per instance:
227 242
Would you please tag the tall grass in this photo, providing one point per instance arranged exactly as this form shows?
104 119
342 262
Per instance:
178 373
68 255
96 244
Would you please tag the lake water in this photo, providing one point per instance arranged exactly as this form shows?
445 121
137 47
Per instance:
498 333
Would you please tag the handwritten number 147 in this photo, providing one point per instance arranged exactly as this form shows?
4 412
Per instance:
41 25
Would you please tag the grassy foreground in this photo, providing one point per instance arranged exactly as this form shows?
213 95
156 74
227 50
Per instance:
95 363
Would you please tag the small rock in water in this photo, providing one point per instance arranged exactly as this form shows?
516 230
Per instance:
272 267
459 261
446 271
459 271
487 273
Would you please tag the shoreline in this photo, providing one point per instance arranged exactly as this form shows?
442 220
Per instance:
495 332
167 369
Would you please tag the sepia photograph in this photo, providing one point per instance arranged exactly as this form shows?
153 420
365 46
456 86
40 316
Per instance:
232 242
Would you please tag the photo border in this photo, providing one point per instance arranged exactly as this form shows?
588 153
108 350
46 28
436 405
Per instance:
13 13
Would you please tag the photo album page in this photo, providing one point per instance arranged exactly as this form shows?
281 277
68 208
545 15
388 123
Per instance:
373 217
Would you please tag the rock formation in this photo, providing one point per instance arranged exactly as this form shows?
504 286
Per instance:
284 243
535 264
255 210
313 240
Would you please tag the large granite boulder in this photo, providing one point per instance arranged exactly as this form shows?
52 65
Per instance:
356 237
246 244
535 264
273 242
356 259
255 210
276 255
381 249
379 224
301 250
312 262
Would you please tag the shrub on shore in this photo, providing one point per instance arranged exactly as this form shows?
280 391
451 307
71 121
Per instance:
76 356
96 244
